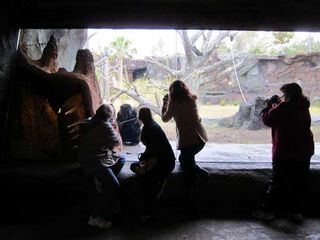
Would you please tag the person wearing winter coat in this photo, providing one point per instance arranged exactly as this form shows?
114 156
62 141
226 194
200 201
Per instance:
99 146
292 149
180 105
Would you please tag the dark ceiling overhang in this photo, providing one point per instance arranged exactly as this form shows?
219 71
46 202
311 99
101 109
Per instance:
205 14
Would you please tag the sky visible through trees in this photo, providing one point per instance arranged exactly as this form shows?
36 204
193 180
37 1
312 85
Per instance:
151 42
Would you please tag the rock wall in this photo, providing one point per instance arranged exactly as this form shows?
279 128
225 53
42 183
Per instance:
269 74
69 41
8 43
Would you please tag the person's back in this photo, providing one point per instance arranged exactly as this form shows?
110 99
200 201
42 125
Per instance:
185 114
157 143
98 146
96 138
155 163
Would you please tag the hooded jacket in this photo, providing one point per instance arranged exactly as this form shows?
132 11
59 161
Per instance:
96 137
290 122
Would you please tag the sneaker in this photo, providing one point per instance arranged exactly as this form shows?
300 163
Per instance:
296 217
261 215
99 222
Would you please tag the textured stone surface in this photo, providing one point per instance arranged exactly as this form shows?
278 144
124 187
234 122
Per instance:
69 41
8 53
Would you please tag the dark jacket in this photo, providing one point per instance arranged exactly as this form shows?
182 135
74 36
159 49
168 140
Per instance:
291 135
157 145
95 138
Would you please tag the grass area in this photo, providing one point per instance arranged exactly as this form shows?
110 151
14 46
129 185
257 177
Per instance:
229 135
315 111
217 111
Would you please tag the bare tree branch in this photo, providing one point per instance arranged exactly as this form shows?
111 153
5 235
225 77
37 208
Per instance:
230 69
162 66
137 97
114 98
222 75
206 39
196 36
186 45
215 66
212 46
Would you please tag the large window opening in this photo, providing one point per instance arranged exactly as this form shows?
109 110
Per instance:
231 72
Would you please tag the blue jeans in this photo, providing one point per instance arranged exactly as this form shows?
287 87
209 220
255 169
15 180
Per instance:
108 201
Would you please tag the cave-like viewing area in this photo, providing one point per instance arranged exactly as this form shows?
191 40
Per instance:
59 61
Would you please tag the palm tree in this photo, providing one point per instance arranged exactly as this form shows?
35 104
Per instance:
120 49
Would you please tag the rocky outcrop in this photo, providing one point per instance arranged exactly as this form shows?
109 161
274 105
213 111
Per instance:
8 51
69 41
247 117
43 100
269 73
85 68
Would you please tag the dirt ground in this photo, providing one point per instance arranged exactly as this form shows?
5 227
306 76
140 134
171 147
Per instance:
232 135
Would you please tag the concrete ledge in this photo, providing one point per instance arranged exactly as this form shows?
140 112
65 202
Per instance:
40 191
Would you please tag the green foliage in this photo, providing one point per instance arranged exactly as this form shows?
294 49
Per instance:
282 37
225 102
295 49
149 89
223 48
258 50
121 48
316 103
244 41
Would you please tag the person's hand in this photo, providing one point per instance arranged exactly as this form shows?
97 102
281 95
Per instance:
165 98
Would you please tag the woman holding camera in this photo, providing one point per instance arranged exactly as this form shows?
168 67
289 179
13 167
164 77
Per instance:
292 148
181 105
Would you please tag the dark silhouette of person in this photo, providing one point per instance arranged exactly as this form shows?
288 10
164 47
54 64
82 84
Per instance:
155 163
129 125
292 148
181 105
98 144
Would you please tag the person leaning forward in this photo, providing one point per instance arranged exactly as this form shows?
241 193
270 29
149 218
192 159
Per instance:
99 145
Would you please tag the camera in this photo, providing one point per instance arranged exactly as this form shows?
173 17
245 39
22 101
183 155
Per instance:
274 99
165 98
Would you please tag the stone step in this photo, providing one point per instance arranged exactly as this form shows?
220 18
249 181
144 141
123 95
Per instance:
37 192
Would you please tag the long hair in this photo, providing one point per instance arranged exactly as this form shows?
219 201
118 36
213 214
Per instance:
178 90
145 114
292 92
103 113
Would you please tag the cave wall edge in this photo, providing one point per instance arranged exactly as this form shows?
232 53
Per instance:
9 38
233 190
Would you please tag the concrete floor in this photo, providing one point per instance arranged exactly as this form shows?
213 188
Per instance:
167 229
